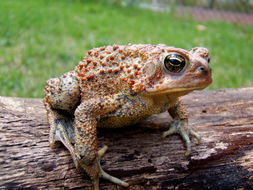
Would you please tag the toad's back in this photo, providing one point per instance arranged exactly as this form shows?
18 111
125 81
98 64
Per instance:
114 69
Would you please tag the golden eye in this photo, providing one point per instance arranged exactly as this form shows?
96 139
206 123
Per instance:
174 62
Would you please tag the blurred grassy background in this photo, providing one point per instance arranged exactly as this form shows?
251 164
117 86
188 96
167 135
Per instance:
43 39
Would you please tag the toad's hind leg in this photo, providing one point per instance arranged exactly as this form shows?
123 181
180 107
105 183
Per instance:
61 97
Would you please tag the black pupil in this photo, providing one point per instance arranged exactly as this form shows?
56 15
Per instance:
174 63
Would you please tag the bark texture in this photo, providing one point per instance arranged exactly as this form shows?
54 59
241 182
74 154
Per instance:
137 154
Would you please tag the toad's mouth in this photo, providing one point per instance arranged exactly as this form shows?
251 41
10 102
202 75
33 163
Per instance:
175 90
165 89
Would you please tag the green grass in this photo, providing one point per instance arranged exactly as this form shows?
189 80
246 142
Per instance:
43 39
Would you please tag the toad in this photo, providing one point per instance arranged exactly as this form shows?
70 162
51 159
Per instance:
117 86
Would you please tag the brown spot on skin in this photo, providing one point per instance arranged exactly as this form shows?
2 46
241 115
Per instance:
129 70
142 87
80 67
204 54
109 70
103 64
135 66
96 54
120 50
108 52
111 57
101 71
136 72
114 63
94 63
116 70
158 76
124 79
110 81
138 87
85 64
115 47
160 82
121 66
101 56
89 52
90 77
88 60
80 74
131 82
122 57
127 66
81 134
102 48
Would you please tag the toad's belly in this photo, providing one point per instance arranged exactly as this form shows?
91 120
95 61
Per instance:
133 111
117 122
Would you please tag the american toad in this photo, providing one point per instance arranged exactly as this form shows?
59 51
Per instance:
116 86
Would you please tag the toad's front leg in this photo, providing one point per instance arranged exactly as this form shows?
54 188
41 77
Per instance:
86 151
180 120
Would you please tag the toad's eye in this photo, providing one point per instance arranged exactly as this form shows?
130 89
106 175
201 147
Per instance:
174 62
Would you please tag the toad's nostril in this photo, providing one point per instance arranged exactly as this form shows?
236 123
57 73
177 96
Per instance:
202 68
208 60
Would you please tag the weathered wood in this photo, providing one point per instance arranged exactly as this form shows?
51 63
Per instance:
138 155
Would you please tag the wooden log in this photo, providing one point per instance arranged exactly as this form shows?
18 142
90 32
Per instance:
137 154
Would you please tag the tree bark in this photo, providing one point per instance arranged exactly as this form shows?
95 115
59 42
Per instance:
137 154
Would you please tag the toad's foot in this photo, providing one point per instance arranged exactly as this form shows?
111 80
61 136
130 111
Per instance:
177 128
63 132
95 171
